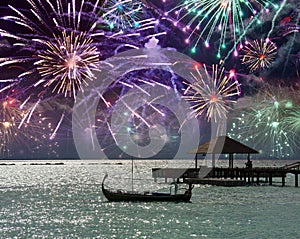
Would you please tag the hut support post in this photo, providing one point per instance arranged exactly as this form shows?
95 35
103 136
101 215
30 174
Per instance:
213 161
230 160
283 180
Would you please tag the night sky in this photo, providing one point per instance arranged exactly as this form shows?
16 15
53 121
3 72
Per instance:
41 72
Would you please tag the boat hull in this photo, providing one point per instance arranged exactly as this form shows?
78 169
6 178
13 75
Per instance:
117 196
153 197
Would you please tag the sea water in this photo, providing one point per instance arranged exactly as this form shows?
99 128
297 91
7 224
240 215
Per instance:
65 201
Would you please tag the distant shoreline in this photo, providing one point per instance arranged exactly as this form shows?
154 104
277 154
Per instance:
94 159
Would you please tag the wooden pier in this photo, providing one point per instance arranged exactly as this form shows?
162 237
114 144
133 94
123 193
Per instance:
229 176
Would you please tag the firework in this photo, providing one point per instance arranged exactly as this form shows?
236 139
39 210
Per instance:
19 126
122 14
227 17
212 94
10 116
140 119
69 60
62 42
259 55
290 24
268 123
293 120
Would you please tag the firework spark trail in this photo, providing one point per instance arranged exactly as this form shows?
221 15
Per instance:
112 133
8 87
211 94
290 23
28 115
24 102
292 42
141 89
208 16
282 5
134 113
148 24
32 110
57 127
155 108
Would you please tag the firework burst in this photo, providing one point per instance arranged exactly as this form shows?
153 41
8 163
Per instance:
259 55
228 18
268 124
122 14
212 94
69 60
63 42
10 117
19 126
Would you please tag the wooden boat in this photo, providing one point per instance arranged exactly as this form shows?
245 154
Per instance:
121 195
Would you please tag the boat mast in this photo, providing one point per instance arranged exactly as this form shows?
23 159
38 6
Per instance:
132 174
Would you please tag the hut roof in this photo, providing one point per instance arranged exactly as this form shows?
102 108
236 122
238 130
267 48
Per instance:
223 145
